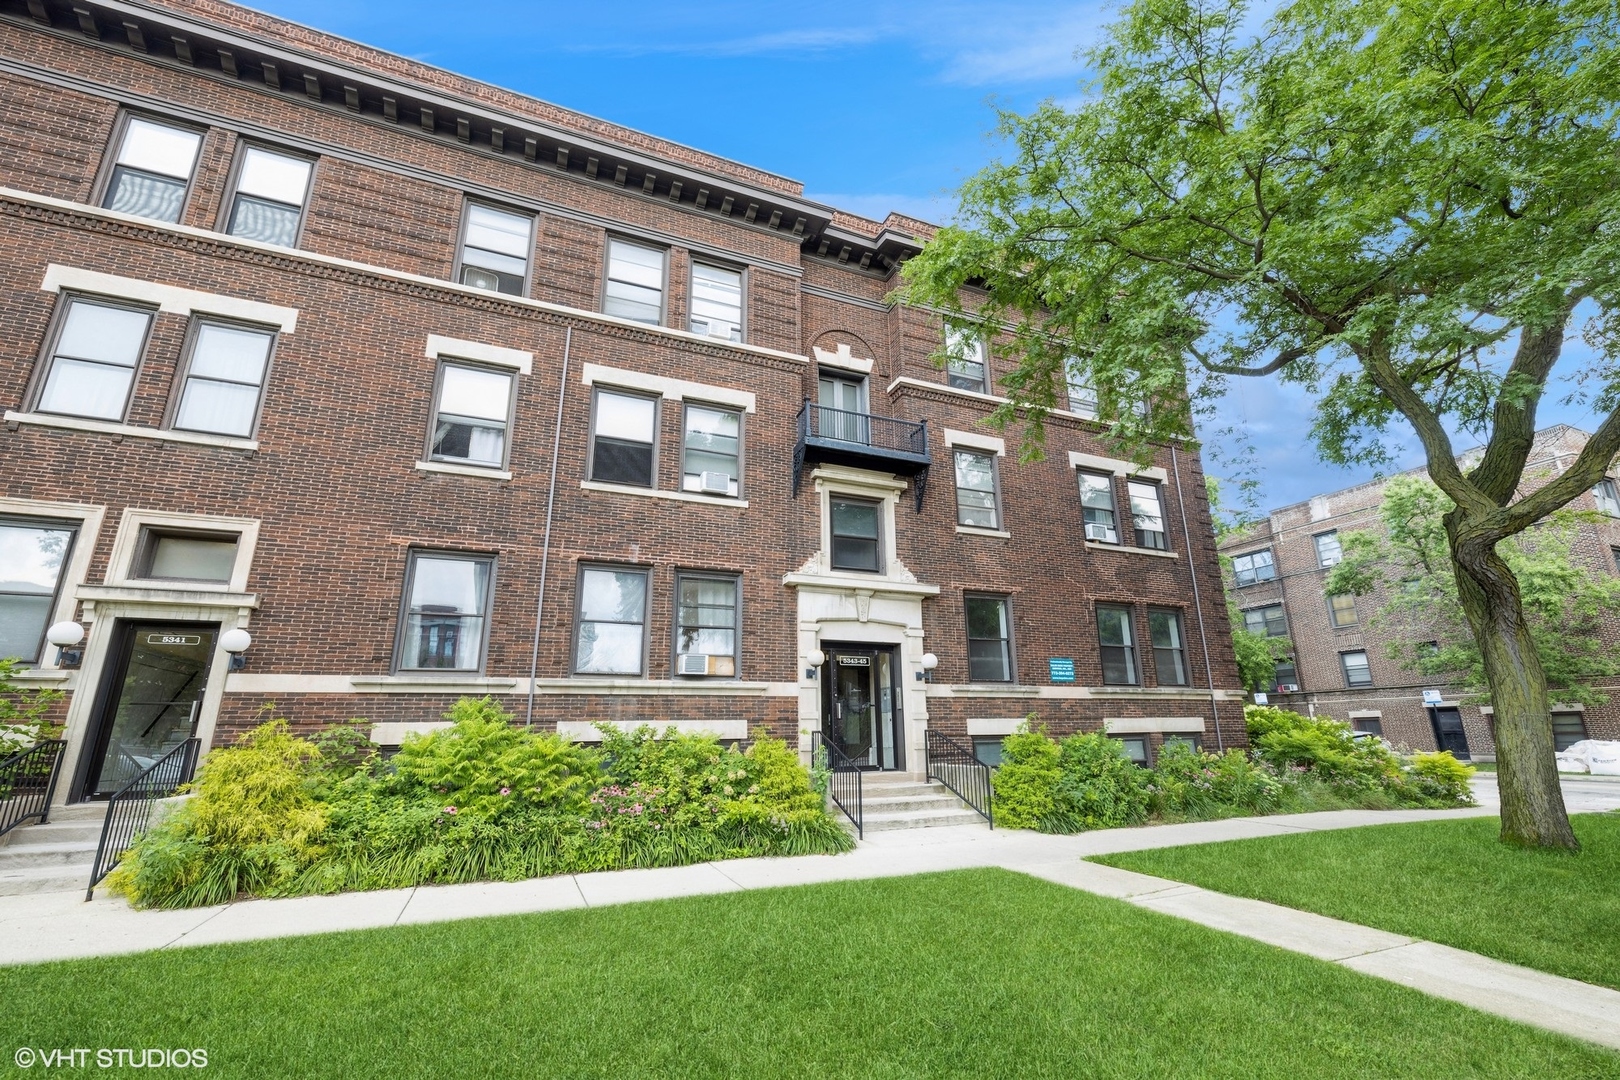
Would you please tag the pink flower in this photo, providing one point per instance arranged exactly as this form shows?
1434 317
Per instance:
506 791
449 809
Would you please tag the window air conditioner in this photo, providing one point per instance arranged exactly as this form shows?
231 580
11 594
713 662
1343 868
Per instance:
715 483
693 664
1100 532
1287 688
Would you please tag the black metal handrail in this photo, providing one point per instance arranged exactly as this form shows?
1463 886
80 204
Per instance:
844 783
864 429
954 765
27 782
130 808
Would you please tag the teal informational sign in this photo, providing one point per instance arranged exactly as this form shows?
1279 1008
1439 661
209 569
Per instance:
1062 670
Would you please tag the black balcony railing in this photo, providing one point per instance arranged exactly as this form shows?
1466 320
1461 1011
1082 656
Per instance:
27 781
130 808
843 437
954 765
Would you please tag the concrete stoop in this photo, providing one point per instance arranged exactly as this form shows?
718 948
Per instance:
903 801
55 856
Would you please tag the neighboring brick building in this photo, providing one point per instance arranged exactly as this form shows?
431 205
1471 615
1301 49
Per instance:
442 391
1341 665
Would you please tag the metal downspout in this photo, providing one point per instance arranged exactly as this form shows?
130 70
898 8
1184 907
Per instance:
1198 606
545 543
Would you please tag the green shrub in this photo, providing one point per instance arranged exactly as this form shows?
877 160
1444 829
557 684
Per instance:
1189 783
1098 787
1321 746
1442 779
1025 784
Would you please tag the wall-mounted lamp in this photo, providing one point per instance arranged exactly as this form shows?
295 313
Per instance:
66 637
236 643
816 658
929 663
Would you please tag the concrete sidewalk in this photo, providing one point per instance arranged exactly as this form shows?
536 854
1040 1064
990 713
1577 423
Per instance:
56 926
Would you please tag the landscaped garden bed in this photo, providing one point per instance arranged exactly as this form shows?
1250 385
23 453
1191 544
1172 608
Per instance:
980 973
1447 881
481 800
1296 764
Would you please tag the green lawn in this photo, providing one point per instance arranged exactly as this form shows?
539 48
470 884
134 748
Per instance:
979 973
1447 881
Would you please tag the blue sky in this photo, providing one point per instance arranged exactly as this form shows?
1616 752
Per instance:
875 106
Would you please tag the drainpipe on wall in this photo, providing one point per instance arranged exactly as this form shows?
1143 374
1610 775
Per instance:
545 543
1198 607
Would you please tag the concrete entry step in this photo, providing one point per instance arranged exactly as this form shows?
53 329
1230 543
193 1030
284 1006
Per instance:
898 800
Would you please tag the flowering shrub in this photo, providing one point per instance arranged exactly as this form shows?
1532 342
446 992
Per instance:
479 800
1191 783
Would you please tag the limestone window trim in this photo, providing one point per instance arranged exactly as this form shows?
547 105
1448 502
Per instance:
134 526
881 488
667 388
173 299
449 348
86 519
1142 725
130 431
841 358
973 530
659 493
972 440
1094 545
451 469
1095 464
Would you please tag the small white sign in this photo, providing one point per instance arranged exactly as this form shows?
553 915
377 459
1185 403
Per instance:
1262 699
1431 697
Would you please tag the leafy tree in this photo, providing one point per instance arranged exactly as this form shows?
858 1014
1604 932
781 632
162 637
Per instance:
1397 207
1564 602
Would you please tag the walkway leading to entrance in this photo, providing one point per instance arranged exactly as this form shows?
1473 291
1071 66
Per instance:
51 926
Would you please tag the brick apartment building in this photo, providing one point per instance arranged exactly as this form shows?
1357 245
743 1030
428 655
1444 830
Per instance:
1341 665
439 390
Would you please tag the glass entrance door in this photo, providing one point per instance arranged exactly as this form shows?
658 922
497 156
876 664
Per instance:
150 701
860 714
848 398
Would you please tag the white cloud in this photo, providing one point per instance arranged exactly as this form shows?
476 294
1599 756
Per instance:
801 40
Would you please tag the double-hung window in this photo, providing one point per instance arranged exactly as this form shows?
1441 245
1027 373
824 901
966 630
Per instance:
271 190
495 249
472 414
1357 672
1285 674
32 554
1118 643
1255 566
92 364
989 633
1342 609
976 502
1147 515
1169 648
1097 507
717 302
610 637
153 170
711 451
1082 397
1328 551
854 531
446 612
635 282
623 434
965 360
224 379
706 625
1267 620
1607 497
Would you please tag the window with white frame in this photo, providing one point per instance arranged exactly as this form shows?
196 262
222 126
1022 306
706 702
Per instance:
1267 620
976 501
610 635
635 282
623 436
495 249
1328 551
965 360
1097 508
1253 567
717 302
711 450
153 169
1169 647
271 190
1118 643
446 613
1607 497
1357 672
1147 515
989 633
91 368
32 556
224 380
472 413
706 625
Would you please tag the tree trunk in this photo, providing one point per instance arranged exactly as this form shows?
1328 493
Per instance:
1533 813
